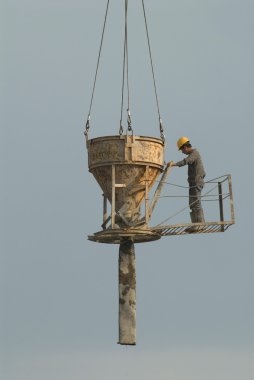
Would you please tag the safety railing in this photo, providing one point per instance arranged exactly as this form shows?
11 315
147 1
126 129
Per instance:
206 227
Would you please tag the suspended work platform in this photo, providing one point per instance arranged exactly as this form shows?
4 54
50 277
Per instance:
207 227
113 236
200 228
125 221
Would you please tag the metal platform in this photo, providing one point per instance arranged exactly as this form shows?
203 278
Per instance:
141 232
117 236
193 228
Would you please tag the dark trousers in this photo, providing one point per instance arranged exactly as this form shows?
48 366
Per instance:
195 198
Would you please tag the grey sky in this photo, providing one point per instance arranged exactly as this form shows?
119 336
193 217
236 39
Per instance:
59 299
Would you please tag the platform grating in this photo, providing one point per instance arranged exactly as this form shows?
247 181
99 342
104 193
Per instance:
200 228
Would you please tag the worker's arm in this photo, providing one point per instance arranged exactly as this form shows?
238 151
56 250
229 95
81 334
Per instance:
172 163
188 160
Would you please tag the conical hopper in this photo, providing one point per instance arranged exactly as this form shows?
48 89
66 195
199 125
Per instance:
137 160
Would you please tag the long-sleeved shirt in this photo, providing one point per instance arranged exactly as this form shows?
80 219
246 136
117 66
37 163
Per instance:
196 172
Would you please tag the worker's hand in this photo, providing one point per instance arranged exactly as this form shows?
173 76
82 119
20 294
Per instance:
170 164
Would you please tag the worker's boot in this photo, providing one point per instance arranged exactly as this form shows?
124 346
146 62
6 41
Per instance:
193 220
200 216
197 216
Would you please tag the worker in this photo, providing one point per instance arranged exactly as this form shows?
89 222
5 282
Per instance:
196 175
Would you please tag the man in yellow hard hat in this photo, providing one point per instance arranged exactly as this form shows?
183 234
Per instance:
196 175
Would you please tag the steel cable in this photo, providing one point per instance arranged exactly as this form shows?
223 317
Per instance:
125 67
96 71
152 67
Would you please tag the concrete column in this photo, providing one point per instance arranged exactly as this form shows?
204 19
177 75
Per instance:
127 293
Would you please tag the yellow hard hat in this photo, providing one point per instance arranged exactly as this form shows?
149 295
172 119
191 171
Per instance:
182 141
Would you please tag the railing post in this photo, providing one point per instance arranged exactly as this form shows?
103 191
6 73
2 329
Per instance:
221 205
231 199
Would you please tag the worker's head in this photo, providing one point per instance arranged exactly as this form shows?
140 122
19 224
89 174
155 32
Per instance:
184 145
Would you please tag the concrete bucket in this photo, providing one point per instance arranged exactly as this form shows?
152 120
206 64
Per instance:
126 167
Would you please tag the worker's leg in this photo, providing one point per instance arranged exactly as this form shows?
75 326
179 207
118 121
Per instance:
197 214
200 218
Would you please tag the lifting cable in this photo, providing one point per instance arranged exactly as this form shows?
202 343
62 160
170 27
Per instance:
126 65
96 72
154 82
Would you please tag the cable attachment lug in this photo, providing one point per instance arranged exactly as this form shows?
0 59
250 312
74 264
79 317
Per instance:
162 130
87 127
121 128
129 121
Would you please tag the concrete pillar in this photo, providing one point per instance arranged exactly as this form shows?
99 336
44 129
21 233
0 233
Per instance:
127 293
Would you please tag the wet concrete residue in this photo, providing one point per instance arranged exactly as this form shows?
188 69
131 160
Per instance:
132 303
127 261
126 289
128 278
127 293
127 247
